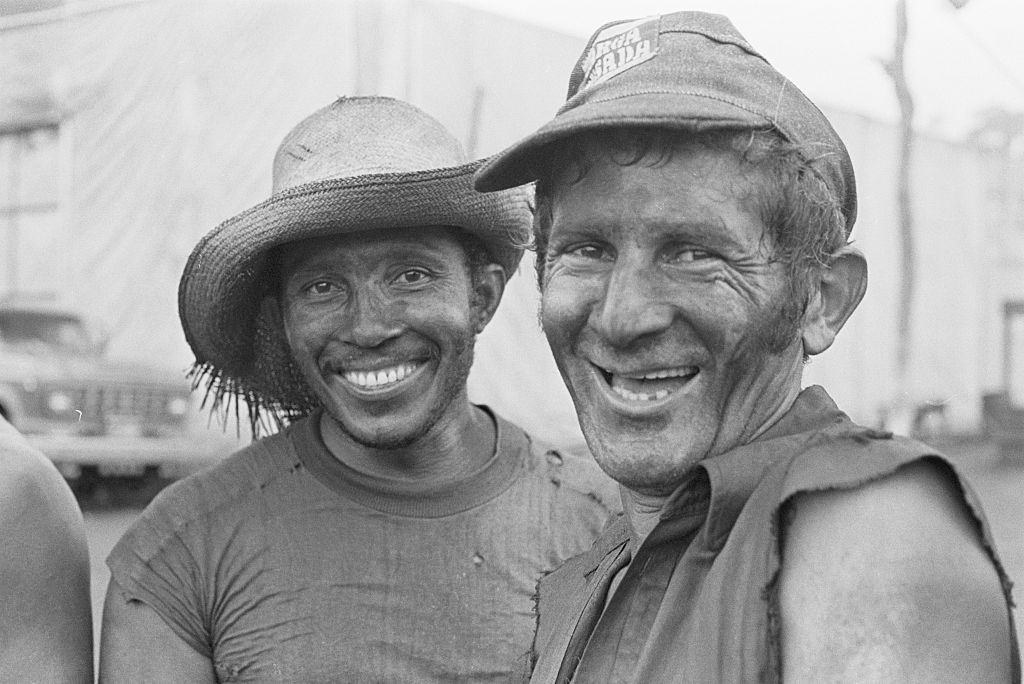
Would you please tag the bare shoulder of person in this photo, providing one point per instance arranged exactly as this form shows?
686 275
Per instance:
890 581
45 607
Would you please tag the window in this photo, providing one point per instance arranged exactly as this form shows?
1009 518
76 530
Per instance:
29 207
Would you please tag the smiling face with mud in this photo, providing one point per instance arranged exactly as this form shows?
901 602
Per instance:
665 309
382 326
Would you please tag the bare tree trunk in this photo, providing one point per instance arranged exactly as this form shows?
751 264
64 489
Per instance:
903 196
904 319
475 117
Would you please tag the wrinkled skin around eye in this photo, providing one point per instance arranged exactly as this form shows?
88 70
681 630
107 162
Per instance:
665 269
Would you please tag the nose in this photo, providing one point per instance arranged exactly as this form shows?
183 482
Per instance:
369 321
632 307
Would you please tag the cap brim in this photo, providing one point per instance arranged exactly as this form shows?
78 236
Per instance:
218 292
524 161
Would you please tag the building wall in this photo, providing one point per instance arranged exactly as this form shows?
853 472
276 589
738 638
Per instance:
171 112
969 240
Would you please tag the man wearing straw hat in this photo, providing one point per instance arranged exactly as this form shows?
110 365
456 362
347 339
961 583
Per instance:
693 216
392 531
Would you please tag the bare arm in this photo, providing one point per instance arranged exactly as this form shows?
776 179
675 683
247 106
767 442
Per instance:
889 582
138 646
45 607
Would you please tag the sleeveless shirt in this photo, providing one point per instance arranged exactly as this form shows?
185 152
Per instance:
698 601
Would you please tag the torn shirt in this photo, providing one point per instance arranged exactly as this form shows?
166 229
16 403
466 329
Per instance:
282 564
697 601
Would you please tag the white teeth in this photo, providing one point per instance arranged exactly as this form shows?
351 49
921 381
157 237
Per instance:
668 373
639 396
385 376
656 393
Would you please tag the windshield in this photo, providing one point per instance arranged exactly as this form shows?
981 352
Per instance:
30 329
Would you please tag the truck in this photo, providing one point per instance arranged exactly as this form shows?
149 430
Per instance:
95 417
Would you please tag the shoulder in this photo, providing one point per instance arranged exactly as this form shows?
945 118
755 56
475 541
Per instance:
573 475
846 455
196 534
249 469
890 578
33 495
221 491
46 629
915 513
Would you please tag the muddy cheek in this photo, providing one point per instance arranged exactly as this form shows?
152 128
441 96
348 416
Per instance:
564 311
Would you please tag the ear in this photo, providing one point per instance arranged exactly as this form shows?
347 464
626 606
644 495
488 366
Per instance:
489 288
840 287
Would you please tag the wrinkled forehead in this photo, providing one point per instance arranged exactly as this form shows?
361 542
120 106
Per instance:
722 152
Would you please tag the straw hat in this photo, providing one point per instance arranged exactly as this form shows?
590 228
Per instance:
360 163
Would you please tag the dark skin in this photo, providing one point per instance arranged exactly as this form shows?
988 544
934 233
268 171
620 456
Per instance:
382 326
399 304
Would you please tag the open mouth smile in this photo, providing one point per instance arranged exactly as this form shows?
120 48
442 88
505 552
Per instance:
382 378
649 386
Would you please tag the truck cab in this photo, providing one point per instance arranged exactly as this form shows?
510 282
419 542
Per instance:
91 415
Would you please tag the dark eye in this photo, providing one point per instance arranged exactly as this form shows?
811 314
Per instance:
321 287
413 276
589 251
688 254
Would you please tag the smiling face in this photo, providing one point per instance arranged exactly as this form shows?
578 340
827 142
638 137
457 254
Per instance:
664 310
382 326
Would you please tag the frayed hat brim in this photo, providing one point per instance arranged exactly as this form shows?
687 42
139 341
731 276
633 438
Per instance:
220 289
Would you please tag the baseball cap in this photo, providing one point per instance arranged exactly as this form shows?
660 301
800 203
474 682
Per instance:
688 71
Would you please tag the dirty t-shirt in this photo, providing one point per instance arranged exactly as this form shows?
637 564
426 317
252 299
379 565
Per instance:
282 564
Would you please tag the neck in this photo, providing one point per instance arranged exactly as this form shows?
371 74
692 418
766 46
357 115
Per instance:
643 512
788 395
458 444
643 509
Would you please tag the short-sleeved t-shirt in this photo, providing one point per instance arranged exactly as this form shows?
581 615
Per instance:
283 564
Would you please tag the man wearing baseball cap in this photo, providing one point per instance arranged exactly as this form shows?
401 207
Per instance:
391 531
693 214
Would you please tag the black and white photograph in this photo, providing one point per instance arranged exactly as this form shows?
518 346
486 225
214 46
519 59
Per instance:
536 341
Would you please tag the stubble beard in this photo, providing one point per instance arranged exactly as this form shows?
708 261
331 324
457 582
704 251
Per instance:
453 386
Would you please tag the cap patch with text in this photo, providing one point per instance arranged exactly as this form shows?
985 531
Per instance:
619 47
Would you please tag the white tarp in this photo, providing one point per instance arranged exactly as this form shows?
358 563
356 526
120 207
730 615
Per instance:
169 113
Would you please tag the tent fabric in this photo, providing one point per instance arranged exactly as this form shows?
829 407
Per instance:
170 112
